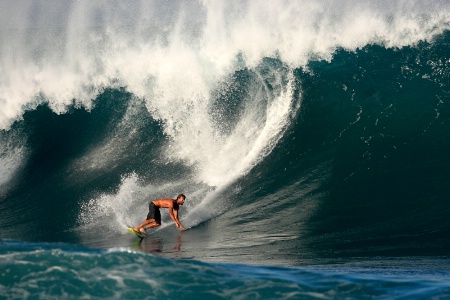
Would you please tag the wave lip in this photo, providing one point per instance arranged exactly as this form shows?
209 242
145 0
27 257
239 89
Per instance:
69 61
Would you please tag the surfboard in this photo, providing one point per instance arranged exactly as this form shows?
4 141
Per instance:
136 233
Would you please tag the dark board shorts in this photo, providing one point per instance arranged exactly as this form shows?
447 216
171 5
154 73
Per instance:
154 213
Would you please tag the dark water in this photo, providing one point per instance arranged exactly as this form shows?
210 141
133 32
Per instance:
324 178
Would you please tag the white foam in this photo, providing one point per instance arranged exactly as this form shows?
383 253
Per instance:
12 154
118 210
70 52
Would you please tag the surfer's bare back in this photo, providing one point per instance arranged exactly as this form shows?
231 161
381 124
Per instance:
154 215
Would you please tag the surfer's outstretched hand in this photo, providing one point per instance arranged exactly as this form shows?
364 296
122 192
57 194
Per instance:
181 227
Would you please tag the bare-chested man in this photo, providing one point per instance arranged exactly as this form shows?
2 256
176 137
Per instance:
154 215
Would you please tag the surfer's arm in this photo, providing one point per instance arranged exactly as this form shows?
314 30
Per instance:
174 215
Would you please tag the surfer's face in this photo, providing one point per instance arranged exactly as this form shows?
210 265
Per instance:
180 200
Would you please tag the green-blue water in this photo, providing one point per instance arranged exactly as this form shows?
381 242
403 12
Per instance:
60 271
313 168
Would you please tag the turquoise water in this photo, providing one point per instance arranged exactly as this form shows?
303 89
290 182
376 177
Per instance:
55 271
311 141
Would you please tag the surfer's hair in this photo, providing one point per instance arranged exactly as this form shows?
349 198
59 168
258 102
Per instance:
181 195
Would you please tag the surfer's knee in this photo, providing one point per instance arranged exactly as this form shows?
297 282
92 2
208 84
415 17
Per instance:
154 224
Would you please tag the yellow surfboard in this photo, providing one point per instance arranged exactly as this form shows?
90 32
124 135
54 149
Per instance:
136 233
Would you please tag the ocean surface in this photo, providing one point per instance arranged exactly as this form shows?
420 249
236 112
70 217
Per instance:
311 138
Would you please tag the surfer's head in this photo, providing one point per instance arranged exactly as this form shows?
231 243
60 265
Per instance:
180 199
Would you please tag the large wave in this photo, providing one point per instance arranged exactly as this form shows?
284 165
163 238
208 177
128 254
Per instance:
168 97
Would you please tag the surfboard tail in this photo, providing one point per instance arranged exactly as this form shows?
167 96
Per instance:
136 233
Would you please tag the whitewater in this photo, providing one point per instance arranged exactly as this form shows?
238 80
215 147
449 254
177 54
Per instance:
310 138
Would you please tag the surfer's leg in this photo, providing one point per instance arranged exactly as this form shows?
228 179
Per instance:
152 209
151 225
143 224
147 224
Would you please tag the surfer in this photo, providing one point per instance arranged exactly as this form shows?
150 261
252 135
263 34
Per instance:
154 215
